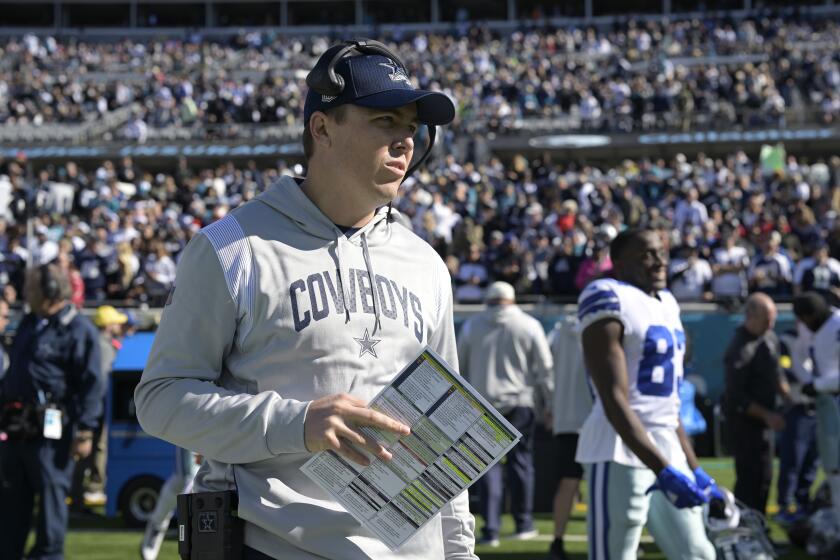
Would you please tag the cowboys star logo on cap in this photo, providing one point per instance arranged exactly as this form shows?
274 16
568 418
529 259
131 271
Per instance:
397 74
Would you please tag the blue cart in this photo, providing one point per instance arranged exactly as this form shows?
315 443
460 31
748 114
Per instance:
138 463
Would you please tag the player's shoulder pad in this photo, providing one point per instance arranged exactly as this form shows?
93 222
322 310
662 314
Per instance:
598 298
667 297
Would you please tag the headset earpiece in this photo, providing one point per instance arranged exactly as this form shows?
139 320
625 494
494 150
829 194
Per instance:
322 78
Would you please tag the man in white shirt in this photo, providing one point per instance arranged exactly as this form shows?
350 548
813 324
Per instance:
824 323
822 275
729 265
690 277
572 403
770 271
504 354
831 265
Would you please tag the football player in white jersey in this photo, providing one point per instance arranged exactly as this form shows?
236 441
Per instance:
824 322
632 441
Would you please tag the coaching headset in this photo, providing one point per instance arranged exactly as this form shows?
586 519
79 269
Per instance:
324 80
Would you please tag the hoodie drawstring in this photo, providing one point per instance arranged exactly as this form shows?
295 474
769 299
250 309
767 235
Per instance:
377 324
345 287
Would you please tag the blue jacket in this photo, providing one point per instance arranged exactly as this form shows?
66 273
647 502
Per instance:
59 355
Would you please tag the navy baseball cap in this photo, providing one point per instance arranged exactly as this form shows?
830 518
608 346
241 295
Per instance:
376 81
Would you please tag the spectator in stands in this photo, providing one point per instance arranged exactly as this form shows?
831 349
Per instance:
690 277
472 277
14 262
562 270
605 87
823 277
4 323
542 216
129 268
804 225
690 211
729 266
806 262
92 263
770 271
44 249
595 265
159 273
65 262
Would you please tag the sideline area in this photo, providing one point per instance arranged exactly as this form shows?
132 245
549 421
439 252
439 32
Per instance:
99 538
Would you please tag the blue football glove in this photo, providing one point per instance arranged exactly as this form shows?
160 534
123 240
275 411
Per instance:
707 484
678 488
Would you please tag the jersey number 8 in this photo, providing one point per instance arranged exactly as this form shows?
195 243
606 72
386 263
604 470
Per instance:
656 370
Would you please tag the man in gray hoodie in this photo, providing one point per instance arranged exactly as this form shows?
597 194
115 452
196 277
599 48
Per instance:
294 310
503 352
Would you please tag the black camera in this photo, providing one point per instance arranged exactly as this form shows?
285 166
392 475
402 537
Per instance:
21 420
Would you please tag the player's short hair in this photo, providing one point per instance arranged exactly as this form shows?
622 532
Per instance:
338 113
626 239
808 304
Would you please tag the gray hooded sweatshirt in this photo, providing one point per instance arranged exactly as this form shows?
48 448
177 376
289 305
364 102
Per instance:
275 307
503 352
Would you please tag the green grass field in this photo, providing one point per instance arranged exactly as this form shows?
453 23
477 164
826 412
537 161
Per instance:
105 539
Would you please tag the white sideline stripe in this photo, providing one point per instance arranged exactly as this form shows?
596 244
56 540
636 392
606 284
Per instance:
647 539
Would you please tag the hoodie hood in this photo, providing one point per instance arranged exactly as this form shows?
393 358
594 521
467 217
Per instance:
286 197
568 323
500 314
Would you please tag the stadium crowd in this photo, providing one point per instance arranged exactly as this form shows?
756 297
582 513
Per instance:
635 76
734 224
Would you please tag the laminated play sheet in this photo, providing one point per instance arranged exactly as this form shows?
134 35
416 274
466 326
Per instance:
456 436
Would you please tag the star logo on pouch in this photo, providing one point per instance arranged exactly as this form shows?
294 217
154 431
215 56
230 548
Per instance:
207 522
366 345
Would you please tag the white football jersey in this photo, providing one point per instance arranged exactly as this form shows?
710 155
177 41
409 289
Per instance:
799 350
654 347
825 354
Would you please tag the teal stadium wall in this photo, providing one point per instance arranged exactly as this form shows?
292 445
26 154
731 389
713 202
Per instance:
708 332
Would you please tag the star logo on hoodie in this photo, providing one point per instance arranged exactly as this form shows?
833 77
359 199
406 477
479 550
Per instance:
366 345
